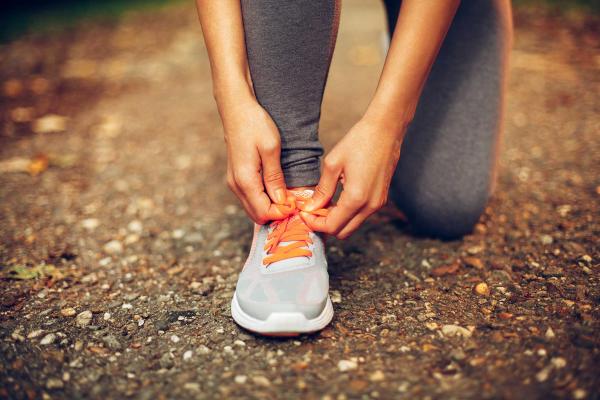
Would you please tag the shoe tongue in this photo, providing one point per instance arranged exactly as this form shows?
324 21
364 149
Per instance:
300 195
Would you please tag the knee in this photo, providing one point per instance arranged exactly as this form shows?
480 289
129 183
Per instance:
445 215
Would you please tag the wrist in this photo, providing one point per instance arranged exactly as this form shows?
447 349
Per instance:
232 90
386 120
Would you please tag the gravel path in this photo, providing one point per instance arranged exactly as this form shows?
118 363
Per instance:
120 244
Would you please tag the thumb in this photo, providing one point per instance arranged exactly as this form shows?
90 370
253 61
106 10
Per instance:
326 187
273 176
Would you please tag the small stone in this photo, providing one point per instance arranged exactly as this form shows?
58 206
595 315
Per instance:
188 355
546 239
48 339
482 289
579 394
550 333
455 330
228 350
377 376
113 247
50 123
175 339
90 223
336 296
558 362
34 334
83 319
347 365
166 361
544 373
135 226
54 383
261 381
203 350
192 386
240 379
68 312
178 234
239 343
106 316
112 342
126 306
552 271
457 354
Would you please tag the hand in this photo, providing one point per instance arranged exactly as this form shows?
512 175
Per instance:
253 163
365 161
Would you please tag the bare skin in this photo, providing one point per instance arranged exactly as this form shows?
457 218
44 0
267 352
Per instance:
364 160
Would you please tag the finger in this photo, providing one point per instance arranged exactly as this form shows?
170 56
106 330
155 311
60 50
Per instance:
353 224
272 174
339 215
326 187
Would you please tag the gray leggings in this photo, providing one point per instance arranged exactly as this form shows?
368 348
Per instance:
446 168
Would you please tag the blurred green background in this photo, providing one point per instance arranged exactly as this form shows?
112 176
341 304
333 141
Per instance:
41 16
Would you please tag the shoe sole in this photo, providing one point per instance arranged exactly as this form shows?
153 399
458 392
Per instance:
283 324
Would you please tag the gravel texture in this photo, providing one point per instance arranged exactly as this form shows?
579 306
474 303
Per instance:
120 244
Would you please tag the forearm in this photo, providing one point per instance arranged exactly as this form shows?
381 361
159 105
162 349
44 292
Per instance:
419 33
223 31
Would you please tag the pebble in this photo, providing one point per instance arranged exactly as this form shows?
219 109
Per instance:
544 373
135 226
474 262
188 355
455 330
166 361
377 376
482 289
261 381
83 319
241 379
175 339
113 247
192 386
34 334
203 350
50 123
68 312
336 296
550 333
106 316
552 271
457 354
579 394
347 365
90 223
112 342
126 306
546 239
239 343
558 362
54 383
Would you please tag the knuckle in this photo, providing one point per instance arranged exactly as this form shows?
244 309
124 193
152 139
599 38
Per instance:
357 197
270 146
273 176
330 164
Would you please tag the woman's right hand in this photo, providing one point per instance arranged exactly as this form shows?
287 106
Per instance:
253 159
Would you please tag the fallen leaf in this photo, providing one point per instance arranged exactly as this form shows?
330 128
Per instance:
38 164
21 272
445 270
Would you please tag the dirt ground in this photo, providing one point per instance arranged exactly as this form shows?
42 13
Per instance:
120 243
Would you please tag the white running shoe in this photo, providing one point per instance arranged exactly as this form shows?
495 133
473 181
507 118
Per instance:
283 289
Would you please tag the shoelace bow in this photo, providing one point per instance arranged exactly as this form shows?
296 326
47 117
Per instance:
290 229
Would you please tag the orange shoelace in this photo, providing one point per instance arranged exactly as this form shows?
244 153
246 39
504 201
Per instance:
290 229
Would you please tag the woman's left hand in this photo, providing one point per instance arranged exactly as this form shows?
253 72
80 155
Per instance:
364 161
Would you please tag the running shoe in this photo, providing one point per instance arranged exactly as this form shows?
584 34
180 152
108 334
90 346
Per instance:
283 289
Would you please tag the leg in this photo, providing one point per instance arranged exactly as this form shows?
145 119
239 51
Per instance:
446 169
289 47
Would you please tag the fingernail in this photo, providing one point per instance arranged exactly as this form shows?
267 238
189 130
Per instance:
280 196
